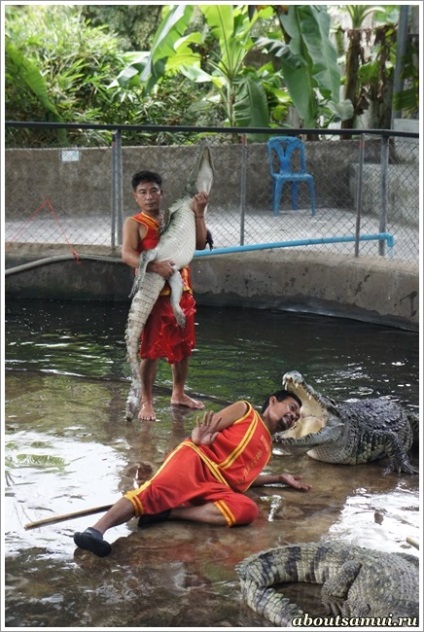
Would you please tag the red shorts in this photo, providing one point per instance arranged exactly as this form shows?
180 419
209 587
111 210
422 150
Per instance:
184 480
162 337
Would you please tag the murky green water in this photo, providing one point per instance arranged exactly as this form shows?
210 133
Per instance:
67 447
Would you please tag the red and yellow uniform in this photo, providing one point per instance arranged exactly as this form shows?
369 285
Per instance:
162 337
219 473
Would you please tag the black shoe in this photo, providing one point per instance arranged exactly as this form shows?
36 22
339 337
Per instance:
146 519
92 540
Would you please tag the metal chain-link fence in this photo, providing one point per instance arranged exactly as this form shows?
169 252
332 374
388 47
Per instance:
364 201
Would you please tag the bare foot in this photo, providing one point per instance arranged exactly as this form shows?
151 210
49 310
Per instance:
147 413
187 401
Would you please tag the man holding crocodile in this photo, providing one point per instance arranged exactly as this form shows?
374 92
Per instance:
162 337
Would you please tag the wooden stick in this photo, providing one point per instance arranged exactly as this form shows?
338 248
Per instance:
69 516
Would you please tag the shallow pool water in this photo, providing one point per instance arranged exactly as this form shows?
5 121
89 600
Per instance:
67 448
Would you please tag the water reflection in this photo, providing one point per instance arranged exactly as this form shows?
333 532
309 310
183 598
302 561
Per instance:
67 447
394 513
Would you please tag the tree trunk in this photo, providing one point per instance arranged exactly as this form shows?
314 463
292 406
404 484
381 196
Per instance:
354 58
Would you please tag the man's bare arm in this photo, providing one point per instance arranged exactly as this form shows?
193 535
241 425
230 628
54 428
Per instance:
206 431
131 235
198 205
287 479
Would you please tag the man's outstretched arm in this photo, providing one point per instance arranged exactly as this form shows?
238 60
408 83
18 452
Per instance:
287 479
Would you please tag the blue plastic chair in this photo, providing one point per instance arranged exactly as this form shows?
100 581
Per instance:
283 152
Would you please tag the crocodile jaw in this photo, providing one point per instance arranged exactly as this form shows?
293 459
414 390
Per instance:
319 422
313 415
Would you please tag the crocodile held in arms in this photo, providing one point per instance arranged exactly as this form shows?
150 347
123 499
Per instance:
350 432
356 582
177 242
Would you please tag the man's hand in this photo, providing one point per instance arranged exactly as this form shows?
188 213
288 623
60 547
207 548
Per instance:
199 203
293 481
205 431
287 479
165 268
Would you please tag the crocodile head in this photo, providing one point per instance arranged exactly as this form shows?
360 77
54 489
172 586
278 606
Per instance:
319 420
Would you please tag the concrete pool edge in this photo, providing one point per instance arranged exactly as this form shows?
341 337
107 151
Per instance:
370 289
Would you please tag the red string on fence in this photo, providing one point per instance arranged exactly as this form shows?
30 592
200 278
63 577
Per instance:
47 203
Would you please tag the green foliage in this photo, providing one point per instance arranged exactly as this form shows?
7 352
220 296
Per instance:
358 13
369 75
170 30
239 86
92 63
209 45
27 76
72 74
58 67
309 65
214 56
135 24
408 99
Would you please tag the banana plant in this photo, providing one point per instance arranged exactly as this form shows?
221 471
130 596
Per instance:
309 63
237 88
169 32
357 71
27 73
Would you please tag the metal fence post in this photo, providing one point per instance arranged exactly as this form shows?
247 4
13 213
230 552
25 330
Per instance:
113 205
384 191
243 186
359 194
119 192
117 202
401 46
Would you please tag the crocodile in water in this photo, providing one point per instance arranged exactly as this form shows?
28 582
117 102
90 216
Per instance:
356 582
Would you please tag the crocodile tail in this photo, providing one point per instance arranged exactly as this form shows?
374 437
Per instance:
134 288
145 257
133 402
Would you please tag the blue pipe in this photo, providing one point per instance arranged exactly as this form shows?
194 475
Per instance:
388 237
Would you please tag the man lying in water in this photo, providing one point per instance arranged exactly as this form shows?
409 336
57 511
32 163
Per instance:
204 477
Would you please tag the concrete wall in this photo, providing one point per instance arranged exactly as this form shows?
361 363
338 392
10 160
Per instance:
371 290
368 289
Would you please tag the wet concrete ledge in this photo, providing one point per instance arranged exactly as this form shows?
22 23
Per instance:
368 289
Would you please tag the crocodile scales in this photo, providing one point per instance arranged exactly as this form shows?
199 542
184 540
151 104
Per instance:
177 242
356 582
351 432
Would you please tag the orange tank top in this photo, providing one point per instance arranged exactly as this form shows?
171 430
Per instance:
151 240
240 452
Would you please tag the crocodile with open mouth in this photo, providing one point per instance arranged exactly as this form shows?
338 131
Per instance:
349 432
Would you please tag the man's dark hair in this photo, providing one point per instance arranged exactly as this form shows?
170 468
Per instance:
145 176
280 396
